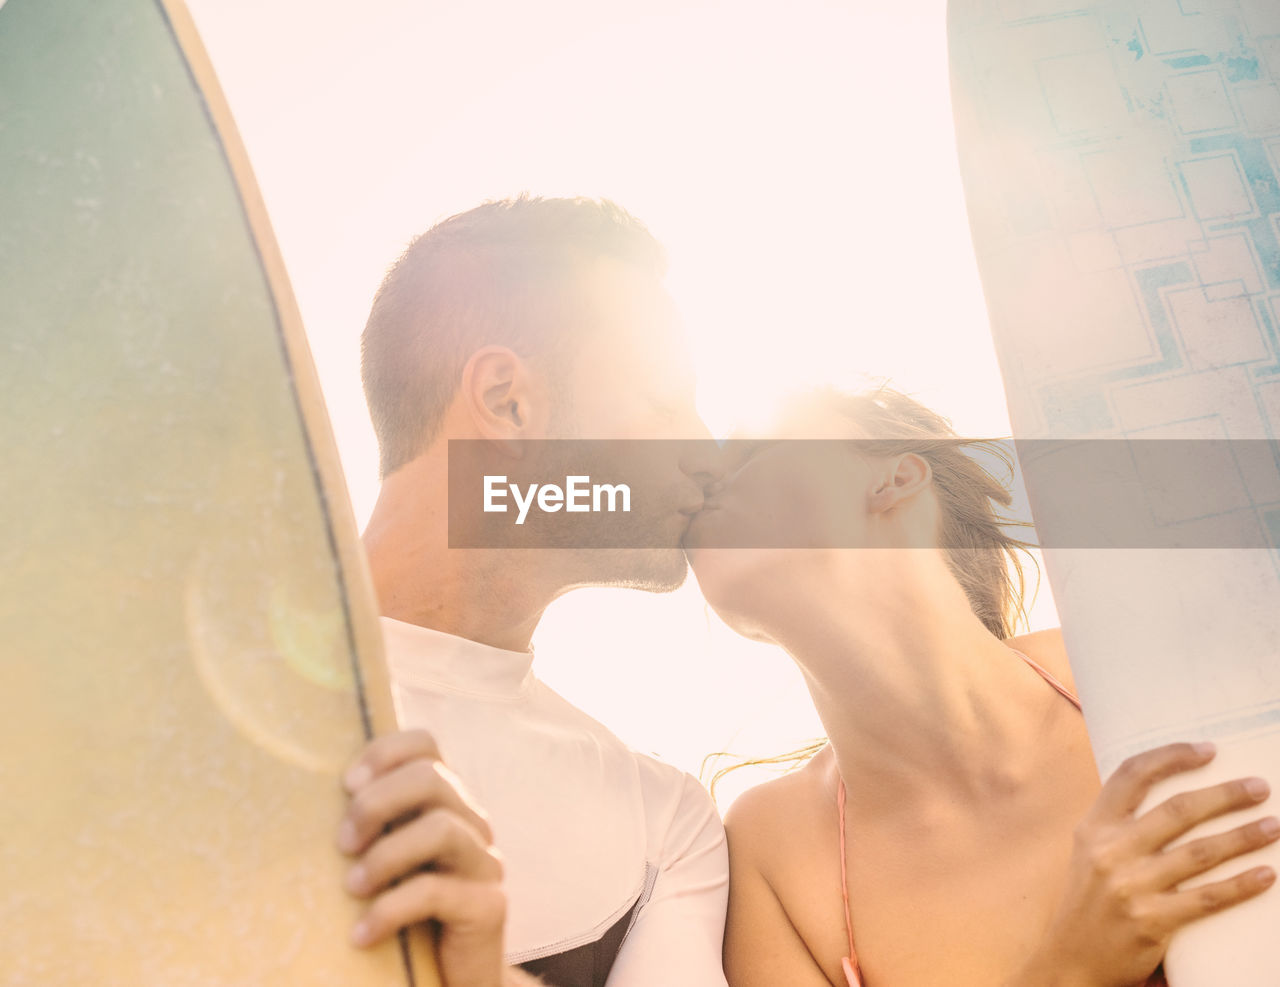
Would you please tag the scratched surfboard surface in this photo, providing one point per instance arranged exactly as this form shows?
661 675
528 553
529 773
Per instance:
1121 163
188 643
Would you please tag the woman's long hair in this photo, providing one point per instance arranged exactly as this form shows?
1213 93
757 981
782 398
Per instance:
980 551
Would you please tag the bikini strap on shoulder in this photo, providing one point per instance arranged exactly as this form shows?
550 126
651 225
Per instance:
844 873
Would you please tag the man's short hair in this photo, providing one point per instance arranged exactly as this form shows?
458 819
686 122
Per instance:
505 273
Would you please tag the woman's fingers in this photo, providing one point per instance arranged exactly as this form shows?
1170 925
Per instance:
1198 856
462 905
440 839
1181 907
1182 812
1134 779
1122 901
408 788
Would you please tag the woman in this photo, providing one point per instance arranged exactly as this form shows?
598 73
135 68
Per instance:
959 856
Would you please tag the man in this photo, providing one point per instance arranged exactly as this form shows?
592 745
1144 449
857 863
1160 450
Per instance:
518 321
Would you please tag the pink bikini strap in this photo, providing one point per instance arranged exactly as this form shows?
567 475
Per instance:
851 961
1070 696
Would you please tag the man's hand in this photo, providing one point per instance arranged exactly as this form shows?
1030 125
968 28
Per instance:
1122 903
424 852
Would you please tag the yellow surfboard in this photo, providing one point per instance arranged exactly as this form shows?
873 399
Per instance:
189 651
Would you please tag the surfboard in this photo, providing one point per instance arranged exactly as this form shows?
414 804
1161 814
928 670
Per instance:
1121 165
189 650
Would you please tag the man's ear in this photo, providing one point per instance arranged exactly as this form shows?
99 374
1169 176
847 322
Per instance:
500 395
902 477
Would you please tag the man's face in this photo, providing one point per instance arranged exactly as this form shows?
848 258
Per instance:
632 379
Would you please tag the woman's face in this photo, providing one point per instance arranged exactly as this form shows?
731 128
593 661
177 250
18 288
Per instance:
796 486
801 498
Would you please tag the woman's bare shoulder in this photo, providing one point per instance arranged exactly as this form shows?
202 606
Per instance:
782 812
774 868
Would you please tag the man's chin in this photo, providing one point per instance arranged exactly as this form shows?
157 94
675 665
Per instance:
655 570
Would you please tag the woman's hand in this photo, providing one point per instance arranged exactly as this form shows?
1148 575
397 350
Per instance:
424 853
1122 903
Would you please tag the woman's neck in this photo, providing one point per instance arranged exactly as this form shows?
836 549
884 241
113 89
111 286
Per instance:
919 699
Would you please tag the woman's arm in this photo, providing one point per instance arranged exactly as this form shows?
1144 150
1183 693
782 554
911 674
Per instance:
761 946
1122 903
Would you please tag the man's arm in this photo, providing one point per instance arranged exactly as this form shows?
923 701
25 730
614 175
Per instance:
424 852
678 936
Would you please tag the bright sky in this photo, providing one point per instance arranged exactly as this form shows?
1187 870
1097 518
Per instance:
799 168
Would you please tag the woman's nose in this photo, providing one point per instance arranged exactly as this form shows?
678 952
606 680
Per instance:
703 461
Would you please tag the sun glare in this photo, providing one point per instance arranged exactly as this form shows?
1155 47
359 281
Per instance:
799 169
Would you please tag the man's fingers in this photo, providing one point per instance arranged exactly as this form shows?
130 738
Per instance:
1195 903
462 905
1180 813
439 838
384 753
409 788
1129 785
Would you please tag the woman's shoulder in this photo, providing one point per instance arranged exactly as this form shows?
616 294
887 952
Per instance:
766 820
779 918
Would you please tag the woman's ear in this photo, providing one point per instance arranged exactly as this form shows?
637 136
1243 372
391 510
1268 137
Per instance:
903 477
499 395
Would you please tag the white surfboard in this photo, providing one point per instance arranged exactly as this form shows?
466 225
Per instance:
1121 163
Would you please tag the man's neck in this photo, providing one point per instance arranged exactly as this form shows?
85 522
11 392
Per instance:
481 594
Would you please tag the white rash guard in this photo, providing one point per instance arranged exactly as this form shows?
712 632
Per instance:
616 865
